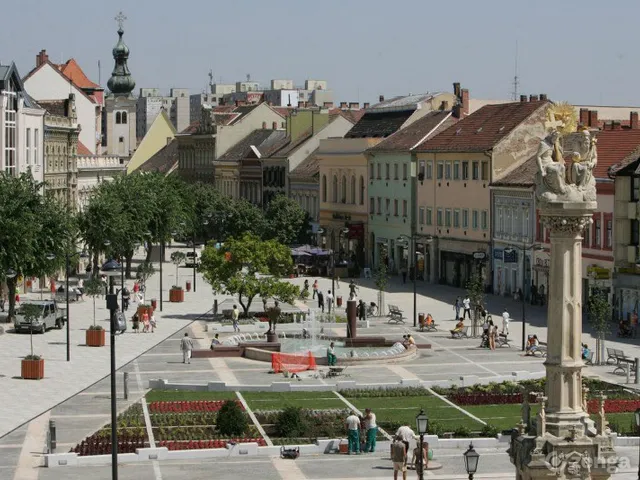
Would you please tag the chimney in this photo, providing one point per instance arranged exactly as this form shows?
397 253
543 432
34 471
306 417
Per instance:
633 121
593 119
366 105
456 89
444 106
457 111
343 104
42 57
464 99
533 98
354 105
523 98
584 116
543 96
381 98
617 125
327 105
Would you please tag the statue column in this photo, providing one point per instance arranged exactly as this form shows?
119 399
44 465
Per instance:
566 222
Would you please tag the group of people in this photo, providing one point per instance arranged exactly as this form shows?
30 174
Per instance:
369 428
149 323
400 452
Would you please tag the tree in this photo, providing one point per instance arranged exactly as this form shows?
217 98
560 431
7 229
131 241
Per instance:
94 287
244 217
381 280
248 266
599 314
32 228
177 258
143 273
285 220
32 313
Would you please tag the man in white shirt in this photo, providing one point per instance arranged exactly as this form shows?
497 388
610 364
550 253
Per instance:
406 434
466 303
353 429
329 298
372 430
505 322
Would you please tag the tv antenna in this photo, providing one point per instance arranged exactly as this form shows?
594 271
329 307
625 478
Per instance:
516 79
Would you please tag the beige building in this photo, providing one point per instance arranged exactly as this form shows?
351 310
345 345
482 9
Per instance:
455 169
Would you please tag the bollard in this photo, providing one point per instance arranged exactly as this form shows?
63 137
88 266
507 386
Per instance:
52 436
637 365
215 306
126 385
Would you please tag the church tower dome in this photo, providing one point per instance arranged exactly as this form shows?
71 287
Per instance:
121 82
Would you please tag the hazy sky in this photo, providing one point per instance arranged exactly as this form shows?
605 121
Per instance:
584 52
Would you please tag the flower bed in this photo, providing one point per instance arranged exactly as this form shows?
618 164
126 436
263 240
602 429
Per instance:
100 443
202 444
183 419
490 398
187 406
613 406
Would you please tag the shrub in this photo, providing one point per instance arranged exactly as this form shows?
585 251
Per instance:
489 431
462 432
231 419
95 327
291 422
435 428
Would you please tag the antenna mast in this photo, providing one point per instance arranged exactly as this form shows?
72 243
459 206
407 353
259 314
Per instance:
516 79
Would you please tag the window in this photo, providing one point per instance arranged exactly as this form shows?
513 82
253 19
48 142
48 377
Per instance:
586 238
500 220
334 189
372 205
421 216
447 217
635 189
395 171
274 125
118 118
597 233
440 219
387 171
475 170
485 171
440 172
344 190
423 169
447 171
465 170
404 208
507 221
388 206
353 190
456 218
404 171
10 129
517 222
635 233
379 171
379 205
372 169
474 219
27 149
525 224
456 170
609 238
264 125
429 216
465 218
121 139
395 207
485 219
429 173
362 190
124 117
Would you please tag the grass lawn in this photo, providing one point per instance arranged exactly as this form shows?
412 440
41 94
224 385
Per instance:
277 401
178 395
624 421
500 416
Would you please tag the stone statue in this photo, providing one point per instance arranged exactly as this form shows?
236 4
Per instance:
542 418
551 167
584 163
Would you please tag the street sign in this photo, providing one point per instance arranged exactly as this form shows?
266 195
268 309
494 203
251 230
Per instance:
479 255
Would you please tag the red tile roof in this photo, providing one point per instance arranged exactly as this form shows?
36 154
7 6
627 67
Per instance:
352 115
82 150
616 148
483 129
73 72
407 138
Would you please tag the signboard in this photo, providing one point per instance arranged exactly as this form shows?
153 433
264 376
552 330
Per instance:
479 255
598 273
341 216
511 256
497 253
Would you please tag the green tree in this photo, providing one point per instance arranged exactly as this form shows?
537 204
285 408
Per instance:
177 258
244 217
231 420
31 229
32 313
285 220
143 273
248 266
599 314
94 287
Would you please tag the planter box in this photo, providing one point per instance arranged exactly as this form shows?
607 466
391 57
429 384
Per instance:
176 295
142 309
33 369
95 338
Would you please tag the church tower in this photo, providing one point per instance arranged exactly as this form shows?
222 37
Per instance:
120 106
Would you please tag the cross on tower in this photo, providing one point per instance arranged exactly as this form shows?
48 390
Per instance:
120 18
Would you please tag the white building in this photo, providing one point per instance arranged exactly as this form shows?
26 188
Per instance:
95 169
21 127
150 102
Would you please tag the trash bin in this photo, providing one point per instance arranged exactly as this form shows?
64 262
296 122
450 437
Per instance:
188 286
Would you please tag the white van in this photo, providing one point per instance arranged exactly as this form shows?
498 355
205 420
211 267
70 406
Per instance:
50 316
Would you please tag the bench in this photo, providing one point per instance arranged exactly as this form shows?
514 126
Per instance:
395 315
540 350
615 355
625 365
429 328
502 341
464 333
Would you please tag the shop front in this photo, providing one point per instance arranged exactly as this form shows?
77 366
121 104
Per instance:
627 292
508 272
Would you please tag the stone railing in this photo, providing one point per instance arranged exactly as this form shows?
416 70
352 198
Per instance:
101 162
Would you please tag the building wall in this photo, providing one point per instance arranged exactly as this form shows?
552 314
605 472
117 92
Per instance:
229 135
306 119
197 101
147 109
93 170
281 98
32 119
180 113
305 193
47 84
227 179
60 161
121 137
196 155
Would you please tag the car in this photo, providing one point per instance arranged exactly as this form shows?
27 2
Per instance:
50 316
61 294
192 260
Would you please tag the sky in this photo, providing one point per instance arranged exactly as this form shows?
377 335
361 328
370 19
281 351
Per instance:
581 52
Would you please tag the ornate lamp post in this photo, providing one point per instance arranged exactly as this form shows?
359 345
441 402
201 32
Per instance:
411 241
471 458
422 425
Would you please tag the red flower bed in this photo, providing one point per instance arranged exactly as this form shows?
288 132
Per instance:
489 398
187 406
202 444
98 444
613 406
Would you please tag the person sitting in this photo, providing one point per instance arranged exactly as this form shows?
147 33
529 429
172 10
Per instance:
215 341
331 355
373 309
410 341
586 353
532 344
624 329
458 328
427 322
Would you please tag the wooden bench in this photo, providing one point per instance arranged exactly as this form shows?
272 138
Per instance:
540 350
395 315
464 333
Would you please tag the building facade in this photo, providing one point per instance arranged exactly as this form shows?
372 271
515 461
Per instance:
95 169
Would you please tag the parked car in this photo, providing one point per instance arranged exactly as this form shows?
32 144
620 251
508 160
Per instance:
61 294
192 260
51 316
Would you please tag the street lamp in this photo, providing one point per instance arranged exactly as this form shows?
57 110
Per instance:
111 269
471 458
205 222
509 250
637 416
410 239
422 425
343 231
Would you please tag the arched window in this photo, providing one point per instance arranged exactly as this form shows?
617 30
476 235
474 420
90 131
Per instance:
124 117
324 188
344 189
353 190
361 190
274 125
334 189
118 118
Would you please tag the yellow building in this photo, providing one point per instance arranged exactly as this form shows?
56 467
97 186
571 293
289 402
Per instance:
160 134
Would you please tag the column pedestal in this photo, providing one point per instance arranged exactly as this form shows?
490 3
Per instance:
564 443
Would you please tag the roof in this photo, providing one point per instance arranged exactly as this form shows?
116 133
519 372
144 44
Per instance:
263 140
523 175
192 128
243 110
54 107
403 102
73 72
616 149
159 135
290 146
225 118
163 161
353 116
308 168
379 124
8 71
82 149
95 97
483 129
423 128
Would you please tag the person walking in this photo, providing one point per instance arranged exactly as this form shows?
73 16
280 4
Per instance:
314 287
80 289
186 345
505 322
126 296
353 429
466 303
457 306
321 300
493 333
352 288
362 310
399 458
372 431
235 314
406 434
329 300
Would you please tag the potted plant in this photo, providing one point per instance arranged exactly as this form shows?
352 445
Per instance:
95 335
176 293
32 365
144 308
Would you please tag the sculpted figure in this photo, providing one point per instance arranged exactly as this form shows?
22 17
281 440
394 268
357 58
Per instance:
551 166
582 168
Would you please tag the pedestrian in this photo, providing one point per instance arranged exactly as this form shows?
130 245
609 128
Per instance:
372 430
80 289
399 457
403 271
353 429
136 290
103 279
315 288
466 303
235 314
457 306
362 310
321 300
126 296
145 321
186 345
152 321
264 305
406 435
353 287
329 300
17 294
493 333
505 322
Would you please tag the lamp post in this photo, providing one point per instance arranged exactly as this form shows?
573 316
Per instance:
422 425
471 458
637 417
205 222
412 244
343 231
111 268
524 251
